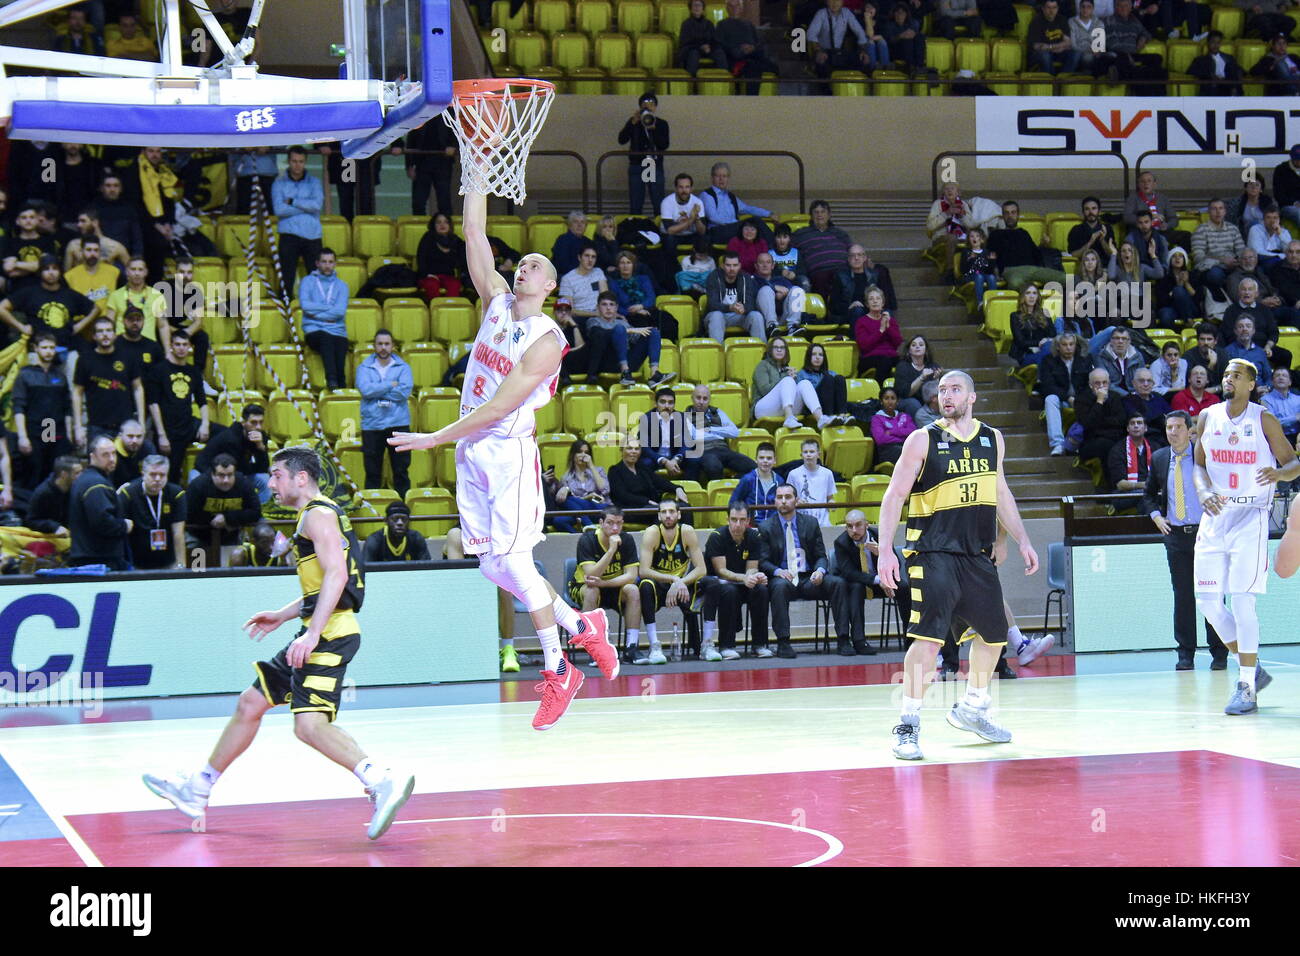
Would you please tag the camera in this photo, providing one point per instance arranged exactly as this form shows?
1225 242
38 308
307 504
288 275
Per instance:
647 118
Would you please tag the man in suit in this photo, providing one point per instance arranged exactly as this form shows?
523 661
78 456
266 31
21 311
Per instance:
1174 506
1219 73
795 563
855 564
663 435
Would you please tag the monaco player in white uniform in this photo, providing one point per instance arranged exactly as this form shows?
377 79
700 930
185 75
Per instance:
512 372
1240 452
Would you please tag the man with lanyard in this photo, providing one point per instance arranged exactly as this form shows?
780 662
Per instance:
156 507
1171 502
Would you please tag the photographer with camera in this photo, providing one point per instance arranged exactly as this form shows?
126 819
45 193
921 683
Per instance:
647 137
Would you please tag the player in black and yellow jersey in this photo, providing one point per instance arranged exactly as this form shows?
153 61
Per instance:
308 673
672 565
260 552
950 474
606 573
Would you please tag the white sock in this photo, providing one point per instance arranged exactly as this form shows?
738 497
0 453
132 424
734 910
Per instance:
565 616
369 772
553 657
652 632
633 638
710 631
977 696
1246 675
201 783
1017 640
911 706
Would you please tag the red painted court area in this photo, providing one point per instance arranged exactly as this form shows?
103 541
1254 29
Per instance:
1193 808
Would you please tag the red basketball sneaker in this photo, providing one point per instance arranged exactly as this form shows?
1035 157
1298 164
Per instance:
556 693
595 641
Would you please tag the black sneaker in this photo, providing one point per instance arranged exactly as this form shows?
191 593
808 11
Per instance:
862 647
783 649
660 378
1006 673
627 379
845 648
1219 664
629 655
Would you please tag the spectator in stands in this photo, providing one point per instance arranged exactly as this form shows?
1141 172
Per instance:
49 306
107 384
890 427
747 244
1216 250
1205 354
636 298
568 247
708 429
838 42
823 248
185 310
245 443
1284 405
1249 269
780 299
1146 401
584 486
813 482
977 265
662 431
155 188
119 218
1164 218
1121 360
24 248
1032 329
262 552
137 293
156 508
42 413
430 153
756 490
832 388
739 38
633 484
1280 67
777 390
1219 72
575 358
1170 371
1286 186
297 198
696 268
132 449
96 522
681 213
323 297
1196 397
1129 461
1050 49
958 13
607 570
175 390
397 541
696 41
440 258
795 563
1017 259
732 556
223 500
1248 208
723 208
1090 278
1123 59
1286 286
48 508
1082 28
732 299
949 221
258 164
878 337
80 38
1265 19
1127 266
1263 326
1092 233
670 575
92 277
906 39
584 283
607 245
917 367
1178 295
851 284
131 41
1244 347
385 383
1152 248
610 331
855 553
646 137
146 352
1102 418
1062 378
1269 239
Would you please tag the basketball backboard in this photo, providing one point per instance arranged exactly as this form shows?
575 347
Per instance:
397 75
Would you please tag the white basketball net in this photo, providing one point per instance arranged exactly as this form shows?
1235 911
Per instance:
495 129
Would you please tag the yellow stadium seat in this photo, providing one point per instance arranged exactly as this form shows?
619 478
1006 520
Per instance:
732 398
438 407
1248 52
1059 229
672 14
593 16
336 234
1155 47
841 495
1036 84
265 327
654 51
542 233
551 16
527 50
939 55
550 417
352 460
283 361
862 389
870 490
501 16
410 230
613 50
1033 224
364 318
719 491
790 440
1007 55
742 356
1024 14
997 322
369 515
1076 88
714 82
849 83
606 448
1231 22
749 440
684 309
428 361
814 303
1180 84
495 49
444 466
407 319
351 270
209 269
628 404
889 83
1002 84
232 232
670 359
340 414
1179 54
233 364
585 81
372 236
698 498
841 356
583 407
286 423
1289 338
554 450
452 319
230 405
570 51
636 17
628 81
798 349
971 54
510 230
432 501
701 360
846 450
672 81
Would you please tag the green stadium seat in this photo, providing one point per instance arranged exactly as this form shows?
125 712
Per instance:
501 17
570 51
613 51
551 16
452 319
372 236
971 54
407 319
636 17
428 361
655 51
1007 55
593 16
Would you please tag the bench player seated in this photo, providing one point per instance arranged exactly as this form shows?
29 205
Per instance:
607 572
672 565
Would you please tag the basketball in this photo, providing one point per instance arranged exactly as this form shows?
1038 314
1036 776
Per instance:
481 122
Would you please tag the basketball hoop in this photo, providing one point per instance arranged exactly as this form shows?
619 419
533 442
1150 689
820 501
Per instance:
495 122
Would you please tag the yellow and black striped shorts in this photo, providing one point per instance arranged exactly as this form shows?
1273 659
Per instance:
950 588
317 686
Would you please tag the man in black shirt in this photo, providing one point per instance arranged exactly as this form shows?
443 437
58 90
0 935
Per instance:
95 519
607 571
1092 233
633 484
1014 254
108 384
47 511
42 413
132 342
156 506
731 559
48 305
222 500
175 390
23 249
397 542
245 442
132 449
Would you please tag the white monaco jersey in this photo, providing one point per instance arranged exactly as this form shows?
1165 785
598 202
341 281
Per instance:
1235 450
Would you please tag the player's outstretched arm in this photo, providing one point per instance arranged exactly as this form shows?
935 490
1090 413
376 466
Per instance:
1009 514
906 470
478 251
539 363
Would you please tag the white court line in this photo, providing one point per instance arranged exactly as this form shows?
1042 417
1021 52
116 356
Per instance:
72 836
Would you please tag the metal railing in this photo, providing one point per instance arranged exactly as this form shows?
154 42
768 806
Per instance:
1028 153
716 154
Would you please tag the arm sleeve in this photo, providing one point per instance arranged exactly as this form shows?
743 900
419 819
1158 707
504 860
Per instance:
727 429
372 550
369 384
282 208
314 199
420 548
710 207
252 509
101 512
19 396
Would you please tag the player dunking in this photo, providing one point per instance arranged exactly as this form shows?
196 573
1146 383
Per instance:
1240 453
950 473
308 674
512 372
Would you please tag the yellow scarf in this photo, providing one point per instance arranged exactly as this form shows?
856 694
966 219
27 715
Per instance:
157 183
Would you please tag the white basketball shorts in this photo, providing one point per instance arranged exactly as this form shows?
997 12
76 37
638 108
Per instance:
499 495
1232 552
